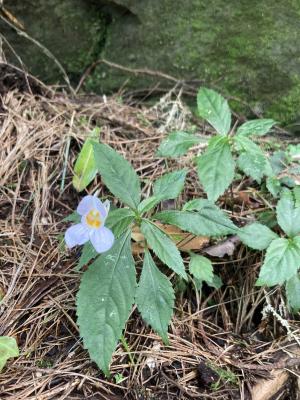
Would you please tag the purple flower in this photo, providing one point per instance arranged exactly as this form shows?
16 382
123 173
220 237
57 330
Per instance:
93 215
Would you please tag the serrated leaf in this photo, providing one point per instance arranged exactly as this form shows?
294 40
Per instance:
252 164
243 143
293 292
85 169
252 161
210 213
169 186
273 185
214 108
216 282
206 222
117 174
155 297
216 167
118 220
281 262
257 127
88 253
163 247
148 204
8 349
177 144
104 301
201 268
279 162
288 216
257 236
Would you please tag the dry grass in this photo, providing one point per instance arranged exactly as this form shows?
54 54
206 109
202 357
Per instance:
40 136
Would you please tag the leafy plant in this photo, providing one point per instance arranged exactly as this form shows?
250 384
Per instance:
85 169
282 259
108 287
225 151
8 349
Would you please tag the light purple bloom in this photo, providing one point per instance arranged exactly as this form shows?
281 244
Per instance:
93 215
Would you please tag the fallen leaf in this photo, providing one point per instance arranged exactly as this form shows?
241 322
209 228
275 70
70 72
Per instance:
225 248
184 241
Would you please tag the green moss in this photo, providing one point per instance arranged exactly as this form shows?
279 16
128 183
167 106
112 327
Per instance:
246 50
71 29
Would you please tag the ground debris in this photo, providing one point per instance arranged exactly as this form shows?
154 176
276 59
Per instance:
40 137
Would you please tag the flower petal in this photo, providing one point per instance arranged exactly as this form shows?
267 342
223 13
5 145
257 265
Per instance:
102 239
76 234
88 203
106 205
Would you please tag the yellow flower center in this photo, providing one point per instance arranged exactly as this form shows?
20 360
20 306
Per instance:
93 219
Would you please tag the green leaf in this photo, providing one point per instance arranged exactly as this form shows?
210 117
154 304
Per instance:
148 204
257 236
257 127
294 151
273 185
119 220
169 186
155 297
279 162
293 292
216 167
88 253
201 268
104 301
177 144
296 192
216 282
253 164
8 349
281 262
243 143
85 169
211 214
207 221
117 174
74 217
214 108
288 216
252 160
268 218
163 247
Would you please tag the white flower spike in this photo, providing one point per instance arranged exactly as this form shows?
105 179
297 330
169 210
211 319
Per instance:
93 215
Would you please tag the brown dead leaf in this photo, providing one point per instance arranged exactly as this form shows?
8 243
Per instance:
184 241
225 248
265 389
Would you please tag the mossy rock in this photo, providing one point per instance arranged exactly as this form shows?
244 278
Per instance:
250 50
244 49
73 31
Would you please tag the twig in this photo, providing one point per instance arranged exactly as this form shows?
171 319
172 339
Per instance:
135 71
46 51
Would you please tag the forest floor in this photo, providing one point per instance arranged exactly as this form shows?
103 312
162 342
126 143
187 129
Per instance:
238 342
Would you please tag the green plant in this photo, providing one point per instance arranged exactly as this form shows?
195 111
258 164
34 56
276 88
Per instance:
282 259
8 349
226 150
109 286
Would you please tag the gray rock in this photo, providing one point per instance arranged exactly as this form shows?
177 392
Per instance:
72 30
245 49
